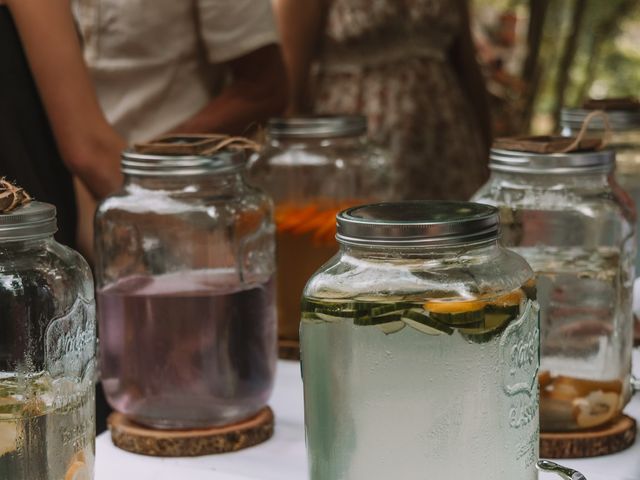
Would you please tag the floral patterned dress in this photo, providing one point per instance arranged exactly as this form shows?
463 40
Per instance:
388 60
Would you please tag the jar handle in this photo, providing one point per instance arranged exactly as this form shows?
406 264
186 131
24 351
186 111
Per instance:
564 472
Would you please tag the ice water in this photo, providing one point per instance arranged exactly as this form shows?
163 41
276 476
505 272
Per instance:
403 394
188 350
584 299
47 428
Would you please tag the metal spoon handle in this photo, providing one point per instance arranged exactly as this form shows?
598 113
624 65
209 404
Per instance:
564 472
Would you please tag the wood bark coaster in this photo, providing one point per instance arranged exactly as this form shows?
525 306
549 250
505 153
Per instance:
615 437
288 349
136 438
545 144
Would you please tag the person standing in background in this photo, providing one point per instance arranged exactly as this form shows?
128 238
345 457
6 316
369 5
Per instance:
181 66
51 125
191 66
409 66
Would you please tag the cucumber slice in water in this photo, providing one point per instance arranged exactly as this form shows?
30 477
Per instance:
379 310
379 320
334 318
425 324
462 319
495 321
392 327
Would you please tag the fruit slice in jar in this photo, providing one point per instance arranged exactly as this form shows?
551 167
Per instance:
595 409
77 471
591 402
570 388
498 313
8 435
556 414
425 323
387 317
544 379
392 327
457 313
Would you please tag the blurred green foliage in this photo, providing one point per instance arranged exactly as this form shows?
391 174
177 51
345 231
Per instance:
606 62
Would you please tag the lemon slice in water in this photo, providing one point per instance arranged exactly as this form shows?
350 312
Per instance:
77 471
8 436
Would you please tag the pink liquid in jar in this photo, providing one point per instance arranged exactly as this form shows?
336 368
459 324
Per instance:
187 350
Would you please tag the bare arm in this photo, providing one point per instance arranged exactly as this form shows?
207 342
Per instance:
463 59
301 23
257 92
89 146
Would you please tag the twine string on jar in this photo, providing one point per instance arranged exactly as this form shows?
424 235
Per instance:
195 144
241 143
606 137
12 196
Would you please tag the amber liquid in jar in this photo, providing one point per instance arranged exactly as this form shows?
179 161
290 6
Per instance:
305 241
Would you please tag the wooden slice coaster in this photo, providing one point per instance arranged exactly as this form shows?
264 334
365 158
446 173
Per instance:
288 349
136 438
612 438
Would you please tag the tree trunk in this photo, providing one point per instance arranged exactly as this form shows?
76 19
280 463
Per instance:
566 60
531 71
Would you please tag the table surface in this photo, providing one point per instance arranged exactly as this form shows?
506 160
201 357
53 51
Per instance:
284 457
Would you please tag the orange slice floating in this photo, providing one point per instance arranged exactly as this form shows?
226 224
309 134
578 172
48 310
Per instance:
454 306
77 471
544 378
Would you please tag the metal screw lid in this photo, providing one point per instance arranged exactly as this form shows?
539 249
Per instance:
34 220
418 223
512 161
320 126
163 165
619 120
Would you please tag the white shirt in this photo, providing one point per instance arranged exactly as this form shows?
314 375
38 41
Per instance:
153 61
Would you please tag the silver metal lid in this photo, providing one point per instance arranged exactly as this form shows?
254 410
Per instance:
619 120
321 126
149 164
551 163
34 220
418 223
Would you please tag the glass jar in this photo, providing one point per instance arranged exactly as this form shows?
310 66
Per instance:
186 295
624 139
566 216
419 341
47 351
314 167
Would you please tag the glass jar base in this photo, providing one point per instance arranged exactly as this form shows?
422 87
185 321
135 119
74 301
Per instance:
222 420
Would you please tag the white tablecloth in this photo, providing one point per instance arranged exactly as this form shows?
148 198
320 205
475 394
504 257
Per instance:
284 457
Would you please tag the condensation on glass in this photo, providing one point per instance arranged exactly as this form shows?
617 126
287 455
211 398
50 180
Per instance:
419 342
47 351
185 262
314 167
568 218
624 138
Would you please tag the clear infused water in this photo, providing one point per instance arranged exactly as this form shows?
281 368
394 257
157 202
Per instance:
188 350
586 335
583 297
47 429
397 388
